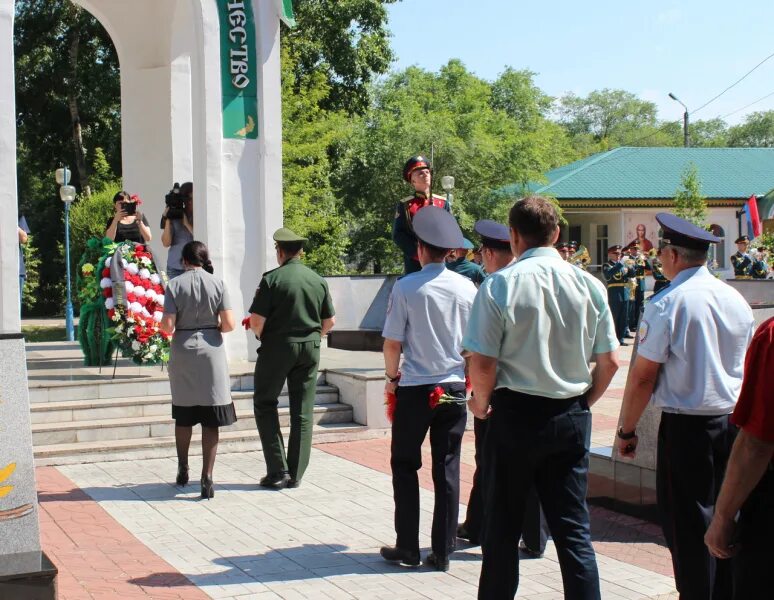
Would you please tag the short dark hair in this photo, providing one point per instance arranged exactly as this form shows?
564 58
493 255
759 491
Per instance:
290 248
435 252
196 254
121 196
535 219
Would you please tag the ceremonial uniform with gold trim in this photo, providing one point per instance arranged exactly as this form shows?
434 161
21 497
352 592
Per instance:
743 265
402 230
617 275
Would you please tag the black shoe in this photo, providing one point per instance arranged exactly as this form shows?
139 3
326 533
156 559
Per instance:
529 551
628 335
207 490
464 533
624 343
275 481
439 563
395 554
293 483
182 474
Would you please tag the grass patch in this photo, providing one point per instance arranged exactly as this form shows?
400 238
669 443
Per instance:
41 333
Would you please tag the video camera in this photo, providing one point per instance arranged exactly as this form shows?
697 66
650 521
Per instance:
176 203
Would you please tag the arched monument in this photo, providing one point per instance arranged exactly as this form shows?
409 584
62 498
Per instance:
200 97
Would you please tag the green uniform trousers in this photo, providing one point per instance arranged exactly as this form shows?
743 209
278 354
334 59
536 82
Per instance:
297 362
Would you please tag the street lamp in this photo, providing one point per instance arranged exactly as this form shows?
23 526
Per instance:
67 194
447 183
686 141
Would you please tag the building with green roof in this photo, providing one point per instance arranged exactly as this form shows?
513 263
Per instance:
608 196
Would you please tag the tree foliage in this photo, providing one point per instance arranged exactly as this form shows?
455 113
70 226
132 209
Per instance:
485 134
757 131
44 33
689 203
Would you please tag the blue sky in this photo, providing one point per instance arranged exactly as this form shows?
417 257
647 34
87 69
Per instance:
650 48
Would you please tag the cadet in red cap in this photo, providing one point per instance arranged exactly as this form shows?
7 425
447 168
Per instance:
418 172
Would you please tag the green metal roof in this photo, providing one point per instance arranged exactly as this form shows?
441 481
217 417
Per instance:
652 173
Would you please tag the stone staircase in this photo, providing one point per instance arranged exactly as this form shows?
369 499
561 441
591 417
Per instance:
102 420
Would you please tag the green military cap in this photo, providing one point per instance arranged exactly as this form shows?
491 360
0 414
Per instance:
284 234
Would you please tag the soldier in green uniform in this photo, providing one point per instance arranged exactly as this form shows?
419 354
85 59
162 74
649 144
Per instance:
760 268
617 275
291 311
460 264
742 261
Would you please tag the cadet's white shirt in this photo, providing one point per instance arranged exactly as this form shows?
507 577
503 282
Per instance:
428 312
699 329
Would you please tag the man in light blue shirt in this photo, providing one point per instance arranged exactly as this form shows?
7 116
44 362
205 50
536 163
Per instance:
692 342
427 313
534 329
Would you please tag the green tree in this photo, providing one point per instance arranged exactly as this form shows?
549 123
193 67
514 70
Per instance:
68 104
346 41
757 131
32 268
689 203
88 217
485 134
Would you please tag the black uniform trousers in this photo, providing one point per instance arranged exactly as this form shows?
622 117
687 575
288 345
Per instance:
543 443
691 462
635 306
619 307
411 421
534 529
754 565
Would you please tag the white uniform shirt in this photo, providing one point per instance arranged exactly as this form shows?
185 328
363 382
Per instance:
699 329
428 312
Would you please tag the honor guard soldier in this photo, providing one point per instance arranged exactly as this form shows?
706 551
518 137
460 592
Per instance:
291 311
534 330
617 276
418 172
426 316
742 261
748 487
692 341
460 264
496 253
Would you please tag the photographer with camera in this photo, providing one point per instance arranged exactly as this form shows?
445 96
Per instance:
177 223
128 223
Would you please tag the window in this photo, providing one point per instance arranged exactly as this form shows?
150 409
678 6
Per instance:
601 244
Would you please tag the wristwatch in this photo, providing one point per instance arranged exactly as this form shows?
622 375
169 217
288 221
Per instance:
626 436
391 379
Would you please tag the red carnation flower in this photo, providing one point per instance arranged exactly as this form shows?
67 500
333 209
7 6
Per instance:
106 272
435 396
468 385
139 248
107 292
390 400
111 313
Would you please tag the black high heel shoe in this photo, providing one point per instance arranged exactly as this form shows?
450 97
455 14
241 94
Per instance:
182 474
207 490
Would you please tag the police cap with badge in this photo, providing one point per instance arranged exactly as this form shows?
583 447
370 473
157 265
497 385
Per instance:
493 234
437 227
679 232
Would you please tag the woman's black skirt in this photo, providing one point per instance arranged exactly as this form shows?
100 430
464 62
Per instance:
207 416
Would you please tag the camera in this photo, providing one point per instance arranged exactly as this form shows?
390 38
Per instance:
175 201
129 208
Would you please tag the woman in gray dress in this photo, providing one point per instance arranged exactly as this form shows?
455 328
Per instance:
197 311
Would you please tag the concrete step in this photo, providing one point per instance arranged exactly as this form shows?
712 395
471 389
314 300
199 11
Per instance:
46 434
143 406
159 447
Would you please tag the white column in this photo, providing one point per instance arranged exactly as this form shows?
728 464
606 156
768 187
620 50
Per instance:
9 240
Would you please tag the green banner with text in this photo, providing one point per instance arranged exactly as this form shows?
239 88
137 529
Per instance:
238 69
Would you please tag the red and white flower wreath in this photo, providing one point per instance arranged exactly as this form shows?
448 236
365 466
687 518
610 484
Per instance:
134 299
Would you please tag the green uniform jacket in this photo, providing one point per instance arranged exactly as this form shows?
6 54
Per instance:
295 300
467 269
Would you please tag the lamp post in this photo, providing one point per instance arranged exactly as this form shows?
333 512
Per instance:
686 141
67 194
447 183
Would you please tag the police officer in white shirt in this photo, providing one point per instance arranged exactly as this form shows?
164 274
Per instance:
692 341
427 314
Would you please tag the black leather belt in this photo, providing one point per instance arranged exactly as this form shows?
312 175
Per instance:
195 328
